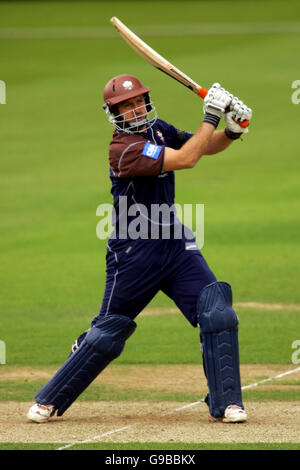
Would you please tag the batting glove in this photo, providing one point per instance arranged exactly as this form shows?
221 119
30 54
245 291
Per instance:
238 112
215 103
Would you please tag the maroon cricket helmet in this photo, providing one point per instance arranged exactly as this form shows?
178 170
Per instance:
123 87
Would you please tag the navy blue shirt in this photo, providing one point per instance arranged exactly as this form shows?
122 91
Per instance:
139 185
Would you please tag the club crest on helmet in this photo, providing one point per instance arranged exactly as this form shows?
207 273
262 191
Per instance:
128 85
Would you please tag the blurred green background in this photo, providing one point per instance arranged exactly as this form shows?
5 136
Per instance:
55 58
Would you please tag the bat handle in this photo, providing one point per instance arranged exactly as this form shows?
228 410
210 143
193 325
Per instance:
203 92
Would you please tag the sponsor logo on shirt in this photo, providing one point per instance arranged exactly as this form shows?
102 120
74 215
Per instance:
151 150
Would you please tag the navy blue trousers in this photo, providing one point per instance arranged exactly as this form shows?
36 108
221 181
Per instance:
136 270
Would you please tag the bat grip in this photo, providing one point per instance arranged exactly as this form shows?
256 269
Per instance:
203 92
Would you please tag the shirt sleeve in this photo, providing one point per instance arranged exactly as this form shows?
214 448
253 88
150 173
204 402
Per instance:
183 137
174 138
130 157
180 137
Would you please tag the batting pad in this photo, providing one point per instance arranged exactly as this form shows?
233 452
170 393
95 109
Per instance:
219 338
103 343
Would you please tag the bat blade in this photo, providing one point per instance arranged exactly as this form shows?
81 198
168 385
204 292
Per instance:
155 59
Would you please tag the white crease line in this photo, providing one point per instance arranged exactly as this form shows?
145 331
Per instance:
245 387
283 374
166 30
255 305
189 405
95 437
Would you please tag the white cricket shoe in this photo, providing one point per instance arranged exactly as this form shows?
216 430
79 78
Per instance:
40 413
233 414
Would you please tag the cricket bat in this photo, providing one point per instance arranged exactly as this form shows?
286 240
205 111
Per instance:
155 59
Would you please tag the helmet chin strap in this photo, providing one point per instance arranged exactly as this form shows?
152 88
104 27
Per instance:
136 124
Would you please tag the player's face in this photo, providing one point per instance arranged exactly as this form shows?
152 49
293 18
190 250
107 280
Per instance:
134 109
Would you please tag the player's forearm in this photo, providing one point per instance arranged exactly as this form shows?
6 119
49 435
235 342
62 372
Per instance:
218 142
198 145
189 154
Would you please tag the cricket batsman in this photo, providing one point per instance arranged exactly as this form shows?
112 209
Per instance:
144 155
